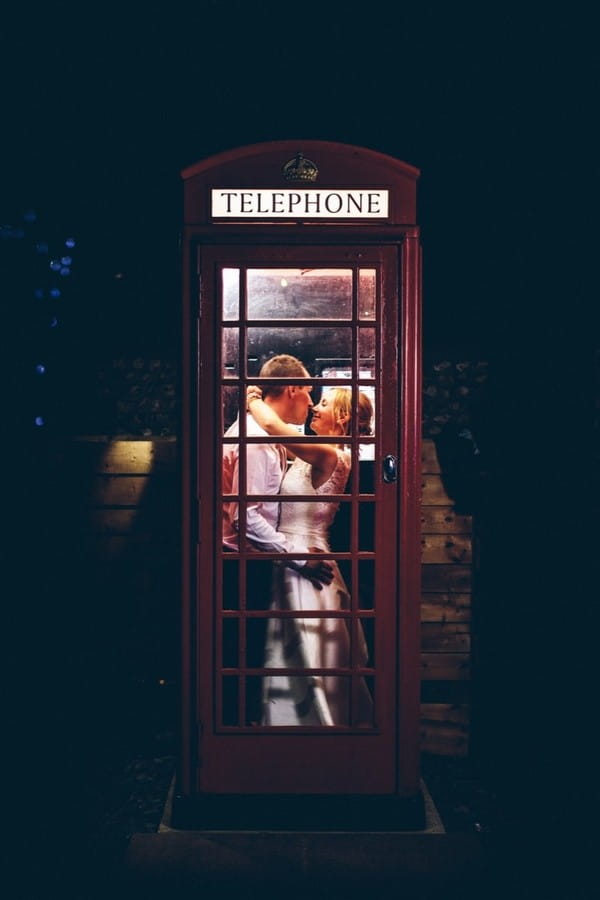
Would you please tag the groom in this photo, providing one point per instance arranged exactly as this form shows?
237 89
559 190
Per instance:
265 468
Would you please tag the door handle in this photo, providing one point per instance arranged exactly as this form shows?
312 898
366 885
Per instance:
390 468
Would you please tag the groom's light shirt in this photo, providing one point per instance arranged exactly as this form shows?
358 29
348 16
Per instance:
265 468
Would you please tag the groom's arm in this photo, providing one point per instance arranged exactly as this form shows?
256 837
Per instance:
263 476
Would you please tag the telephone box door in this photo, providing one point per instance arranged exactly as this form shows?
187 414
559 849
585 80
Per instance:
297 688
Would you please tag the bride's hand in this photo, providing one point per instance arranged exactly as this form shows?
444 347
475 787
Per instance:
253 392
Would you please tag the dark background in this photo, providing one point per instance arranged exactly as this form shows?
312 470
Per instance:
103 106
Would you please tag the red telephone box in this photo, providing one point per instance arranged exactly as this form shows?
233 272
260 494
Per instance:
306 248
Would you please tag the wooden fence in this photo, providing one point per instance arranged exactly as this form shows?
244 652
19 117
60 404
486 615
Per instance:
128 523
446 583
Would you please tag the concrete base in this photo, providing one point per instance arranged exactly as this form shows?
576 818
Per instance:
298 812
297 863
318 864
314 864
302 864
223 814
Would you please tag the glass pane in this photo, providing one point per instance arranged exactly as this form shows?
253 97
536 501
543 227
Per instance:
365 413
307 643
345 567
256 630
366 470
230 406
276 625
259 578
341 533
366 352
330 367
254 700
366 584
299 293
366 527
363 706
366 643
231 569
311 345
230 282
298 516
340 530
258 521
306 700
231 352
366 293
229 700
362 413
231 643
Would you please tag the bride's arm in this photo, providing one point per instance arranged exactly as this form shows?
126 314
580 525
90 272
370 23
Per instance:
320 456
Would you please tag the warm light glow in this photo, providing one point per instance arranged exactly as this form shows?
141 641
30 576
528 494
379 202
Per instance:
128 456
134 458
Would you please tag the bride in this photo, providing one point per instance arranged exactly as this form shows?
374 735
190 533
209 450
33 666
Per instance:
313 642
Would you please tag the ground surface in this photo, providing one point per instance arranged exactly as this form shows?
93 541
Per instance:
128 786
110 780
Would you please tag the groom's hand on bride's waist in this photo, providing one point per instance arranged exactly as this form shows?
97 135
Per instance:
317 571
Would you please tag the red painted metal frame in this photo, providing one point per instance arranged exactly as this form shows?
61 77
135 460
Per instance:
401 232
188 546
409 621
221 769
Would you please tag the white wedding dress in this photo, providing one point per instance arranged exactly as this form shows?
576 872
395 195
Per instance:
306 642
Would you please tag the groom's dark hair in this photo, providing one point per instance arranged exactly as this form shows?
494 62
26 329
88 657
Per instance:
281 366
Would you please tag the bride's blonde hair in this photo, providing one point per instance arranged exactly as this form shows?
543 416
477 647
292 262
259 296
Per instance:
341 402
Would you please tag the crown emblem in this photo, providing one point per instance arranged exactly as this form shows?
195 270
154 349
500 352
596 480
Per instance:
300 169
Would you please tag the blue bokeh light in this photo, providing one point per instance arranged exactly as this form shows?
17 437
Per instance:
55 292
40 369
66 260
39 421
53 322
55 265
65 270
70 242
